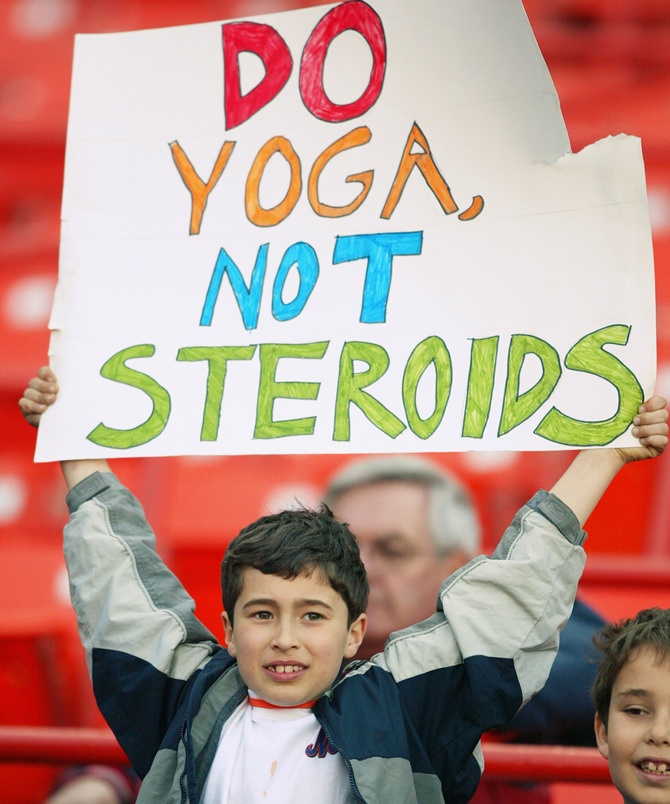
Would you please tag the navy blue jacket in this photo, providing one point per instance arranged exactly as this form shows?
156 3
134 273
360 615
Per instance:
407 723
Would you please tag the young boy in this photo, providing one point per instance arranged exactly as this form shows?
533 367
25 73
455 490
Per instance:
632 696
267 720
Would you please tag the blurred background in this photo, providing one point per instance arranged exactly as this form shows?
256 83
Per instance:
610 62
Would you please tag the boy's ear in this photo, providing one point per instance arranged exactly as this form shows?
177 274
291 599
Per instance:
228 630
601 736
356 634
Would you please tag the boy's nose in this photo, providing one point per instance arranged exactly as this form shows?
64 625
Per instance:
659 729
284 637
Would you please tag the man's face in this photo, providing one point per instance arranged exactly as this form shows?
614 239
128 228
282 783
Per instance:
636 741
390 522
290 636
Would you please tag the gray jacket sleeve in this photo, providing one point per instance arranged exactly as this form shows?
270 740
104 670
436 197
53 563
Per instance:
126 600
509 607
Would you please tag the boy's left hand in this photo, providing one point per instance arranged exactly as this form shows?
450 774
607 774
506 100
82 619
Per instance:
650 426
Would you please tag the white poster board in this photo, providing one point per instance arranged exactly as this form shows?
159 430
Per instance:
349 228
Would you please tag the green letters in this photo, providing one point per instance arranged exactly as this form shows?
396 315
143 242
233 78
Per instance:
483 357
431 350
350 390
534 370
217 357
589 355
116 369
518 407
269 389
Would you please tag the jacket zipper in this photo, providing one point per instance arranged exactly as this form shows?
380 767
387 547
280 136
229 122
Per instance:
182 786
350 770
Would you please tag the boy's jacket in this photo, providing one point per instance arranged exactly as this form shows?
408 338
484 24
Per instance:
407 722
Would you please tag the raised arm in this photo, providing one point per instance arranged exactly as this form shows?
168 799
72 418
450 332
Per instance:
588 476
144 645
41 393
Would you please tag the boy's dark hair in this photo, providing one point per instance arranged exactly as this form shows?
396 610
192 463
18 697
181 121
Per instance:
297 542
620 642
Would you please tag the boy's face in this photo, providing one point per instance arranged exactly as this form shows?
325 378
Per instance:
636 741
290 637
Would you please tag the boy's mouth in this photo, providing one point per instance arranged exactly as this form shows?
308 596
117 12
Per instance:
285 668
285 671
657 768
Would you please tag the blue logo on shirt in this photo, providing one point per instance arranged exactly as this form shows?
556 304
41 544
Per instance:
320 747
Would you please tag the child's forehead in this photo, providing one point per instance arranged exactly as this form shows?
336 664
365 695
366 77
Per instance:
645 669
312 584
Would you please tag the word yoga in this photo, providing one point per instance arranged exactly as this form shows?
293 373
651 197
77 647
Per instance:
416 154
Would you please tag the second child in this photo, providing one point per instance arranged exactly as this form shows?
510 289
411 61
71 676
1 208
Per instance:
632 697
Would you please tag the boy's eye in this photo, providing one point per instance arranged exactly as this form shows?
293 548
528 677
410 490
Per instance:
636 711
313 616
261 615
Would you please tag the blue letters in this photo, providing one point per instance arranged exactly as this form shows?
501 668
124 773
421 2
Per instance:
248 298
303 256
379 249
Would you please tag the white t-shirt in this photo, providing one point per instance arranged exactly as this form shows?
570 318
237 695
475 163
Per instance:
275 755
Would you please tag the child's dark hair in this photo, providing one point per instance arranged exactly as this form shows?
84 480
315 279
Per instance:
620 643
297 542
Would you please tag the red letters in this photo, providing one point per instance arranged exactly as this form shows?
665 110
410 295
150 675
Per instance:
268 45
356 16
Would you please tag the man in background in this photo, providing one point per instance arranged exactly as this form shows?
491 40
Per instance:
416 525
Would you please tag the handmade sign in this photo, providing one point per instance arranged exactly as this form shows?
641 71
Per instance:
348 228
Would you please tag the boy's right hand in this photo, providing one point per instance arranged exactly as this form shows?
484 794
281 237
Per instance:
42 392
38 396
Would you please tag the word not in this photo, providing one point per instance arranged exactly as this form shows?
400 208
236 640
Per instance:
587 355
416 153
378 249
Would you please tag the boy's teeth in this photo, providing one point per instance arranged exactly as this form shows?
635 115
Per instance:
652 767
287 668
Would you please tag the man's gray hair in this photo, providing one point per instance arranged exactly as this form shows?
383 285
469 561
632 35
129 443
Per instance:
452 518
